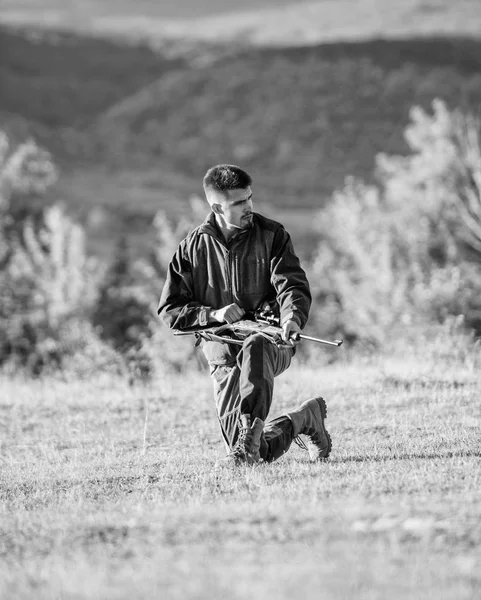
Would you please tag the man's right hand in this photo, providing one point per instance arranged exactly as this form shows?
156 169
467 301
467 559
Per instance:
227 314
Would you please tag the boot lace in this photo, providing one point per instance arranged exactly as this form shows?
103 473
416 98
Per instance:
240 448
300 442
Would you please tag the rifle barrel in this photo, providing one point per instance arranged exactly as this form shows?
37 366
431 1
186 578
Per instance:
319 340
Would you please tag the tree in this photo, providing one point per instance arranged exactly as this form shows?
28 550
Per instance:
48 283
398 253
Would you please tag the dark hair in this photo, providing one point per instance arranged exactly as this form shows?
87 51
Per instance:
226 177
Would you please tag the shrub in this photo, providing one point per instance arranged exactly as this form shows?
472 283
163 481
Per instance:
48 284
352 274
159 351
122 311
27 169
403 252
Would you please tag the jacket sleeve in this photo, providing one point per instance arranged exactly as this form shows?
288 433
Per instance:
289 280
178 308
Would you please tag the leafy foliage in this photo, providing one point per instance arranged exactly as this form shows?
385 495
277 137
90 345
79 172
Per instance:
48 284
400 255
160 351
397 255
122 309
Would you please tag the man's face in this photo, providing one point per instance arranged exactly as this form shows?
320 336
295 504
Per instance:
236 207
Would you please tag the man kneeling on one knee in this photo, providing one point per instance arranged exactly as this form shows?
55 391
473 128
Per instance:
236 262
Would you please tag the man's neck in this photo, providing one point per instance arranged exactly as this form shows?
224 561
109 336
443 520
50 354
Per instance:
227 232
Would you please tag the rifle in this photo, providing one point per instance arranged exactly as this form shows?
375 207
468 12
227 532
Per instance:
236 333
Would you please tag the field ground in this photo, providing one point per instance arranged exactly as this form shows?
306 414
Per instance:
111 491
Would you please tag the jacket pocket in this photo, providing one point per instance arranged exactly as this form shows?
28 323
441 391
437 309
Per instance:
252 275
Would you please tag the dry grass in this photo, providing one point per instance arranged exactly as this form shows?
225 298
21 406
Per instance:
110 491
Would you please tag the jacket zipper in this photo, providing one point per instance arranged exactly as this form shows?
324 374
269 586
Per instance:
233 276
229 272
230 267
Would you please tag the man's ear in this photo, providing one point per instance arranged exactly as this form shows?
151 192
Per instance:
216 208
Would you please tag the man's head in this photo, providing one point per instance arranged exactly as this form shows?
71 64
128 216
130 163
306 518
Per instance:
227 189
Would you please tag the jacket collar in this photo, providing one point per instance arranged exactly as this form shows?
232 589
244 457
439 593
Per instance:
210 227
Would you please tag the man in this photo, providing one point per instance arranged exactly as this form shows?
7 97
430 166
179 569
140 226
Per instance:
235 263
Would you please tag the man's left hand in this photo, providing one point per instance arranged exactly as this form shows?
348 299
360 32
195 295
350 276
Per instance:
290 328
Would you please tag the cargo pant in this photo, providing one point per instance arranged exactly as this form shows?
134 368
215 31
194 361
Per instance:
243 378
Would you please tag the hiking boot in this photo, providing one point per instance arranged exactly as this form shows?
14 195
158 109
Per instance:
246 449
308 420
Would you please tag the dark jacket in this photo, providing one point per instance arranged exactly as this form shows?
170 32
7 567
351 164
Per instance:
256 266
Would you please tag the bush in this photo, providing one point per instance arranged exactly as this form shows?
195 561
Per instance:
122 312
48 284
159 351
406 251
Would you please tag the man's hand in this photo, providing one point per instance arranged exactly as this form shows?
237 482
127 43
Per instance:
289 329
227 314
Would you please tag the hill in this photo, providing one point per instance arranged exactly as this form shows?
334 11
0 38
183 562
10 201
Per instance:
300 119
264 22
135 127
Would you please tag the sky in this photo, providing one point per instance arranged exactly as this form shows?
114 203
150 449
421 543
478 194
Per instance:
181 9
168 9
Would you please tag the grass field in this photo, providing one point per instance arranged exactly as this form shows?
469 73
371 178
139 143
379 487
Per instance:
111 491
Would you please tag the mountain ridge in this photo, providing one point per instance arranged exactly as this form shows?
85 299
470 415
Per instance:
134 128
331 107
293 23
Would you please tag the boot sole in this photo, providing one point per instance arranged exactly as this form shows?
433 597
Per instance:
329 446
